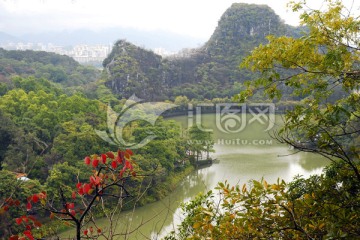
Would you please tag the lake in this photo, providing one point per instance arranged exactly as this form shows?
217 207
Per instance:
243 155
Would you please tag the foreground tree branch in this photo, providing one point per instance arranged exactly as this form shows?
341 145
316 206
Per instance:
109 174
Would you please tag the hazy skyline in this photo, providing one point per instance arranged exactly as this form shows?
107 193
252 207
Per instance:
195 18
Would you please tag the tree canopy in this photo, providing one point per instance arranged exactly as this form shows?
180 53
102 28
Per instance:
323 60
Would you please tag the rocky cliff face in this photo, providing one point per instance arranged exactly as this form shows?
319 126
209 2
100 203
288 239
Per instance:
131 69
207 72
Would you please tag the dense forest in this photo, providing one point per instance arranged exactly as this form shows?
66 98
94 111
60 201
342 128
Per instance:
51 108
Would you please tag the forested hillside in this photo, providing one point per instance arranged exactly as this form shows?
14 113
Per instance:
57 68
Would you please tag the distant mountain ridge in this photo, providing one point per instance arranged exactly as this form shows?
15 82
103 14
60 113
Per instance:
206 72
147 39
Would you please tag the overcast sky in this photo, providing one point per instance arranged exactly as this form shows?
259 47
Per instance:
196 18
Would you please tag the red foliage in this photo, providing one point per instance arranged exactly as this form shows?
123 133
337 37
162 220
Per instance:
129 151
95 180
70 205
119 160
28 234
35 198
18 221
121 173
110 155
103 158
113 164
128 165
86 188
28 206
87 160
95 163
81 191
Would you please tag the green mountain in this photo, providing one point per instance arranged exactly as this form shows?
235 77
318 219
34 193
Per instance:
206 72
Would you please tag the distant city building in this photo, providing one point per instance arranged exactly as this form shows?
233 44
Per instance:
163 52
82 53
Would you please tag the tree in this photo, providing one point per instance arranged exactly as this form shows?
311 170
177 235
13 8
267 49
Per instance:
324 59
78 205
11 188
79 133
182 102
200 141
303 209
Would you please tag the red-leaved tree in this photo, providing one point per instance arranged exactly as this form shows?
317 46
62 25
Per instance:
109 173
